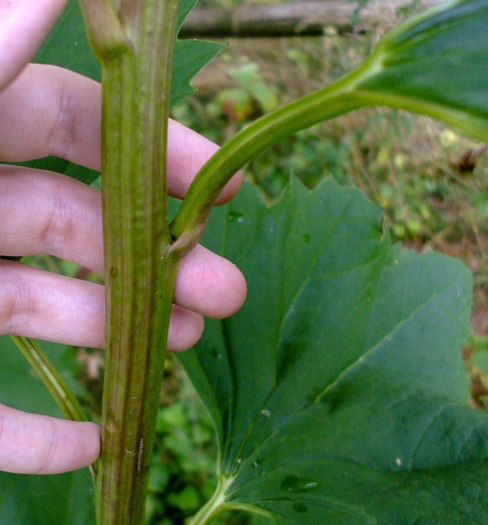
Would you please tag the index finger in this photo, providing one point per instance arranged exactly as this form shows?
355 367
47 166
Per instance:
23 26
50 111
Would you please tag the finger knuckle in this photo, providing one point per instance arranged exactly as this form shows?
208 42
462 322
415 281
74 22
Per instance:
13 297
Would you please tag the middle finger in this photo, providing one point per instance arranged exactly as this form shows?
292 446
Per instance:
44 212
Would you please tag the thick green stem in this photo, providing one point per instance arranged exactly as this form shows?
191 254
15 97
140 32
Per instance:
192 217
139 274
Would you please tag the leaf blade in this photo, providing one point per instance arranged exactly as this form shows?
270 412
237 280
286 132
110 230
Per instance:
362 342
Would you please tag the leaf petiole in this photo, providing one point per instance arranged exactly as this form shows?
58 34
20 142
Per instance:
51 378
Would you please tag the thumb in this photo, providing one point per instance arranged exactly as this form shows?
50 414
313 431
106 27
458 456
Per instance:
23 26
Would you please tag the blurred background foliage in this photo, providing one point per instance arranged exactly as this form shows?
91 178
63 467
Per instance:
431 181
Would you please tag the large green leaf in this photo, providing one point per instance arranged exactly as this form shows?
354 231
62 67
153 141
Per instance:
338 392
67 46
65 499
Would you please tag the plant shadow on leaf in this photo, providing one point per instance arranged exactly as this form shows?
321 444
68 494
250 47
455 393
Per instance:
338 392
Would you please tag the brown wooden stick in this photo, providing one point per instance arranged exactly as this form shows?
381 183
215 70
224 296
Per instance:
285 19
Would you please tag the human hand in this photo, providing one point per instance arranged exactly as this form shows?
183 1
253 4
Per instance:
45 111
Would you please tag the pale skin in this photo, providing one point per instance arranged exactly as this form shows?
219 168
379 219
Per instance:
49 111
